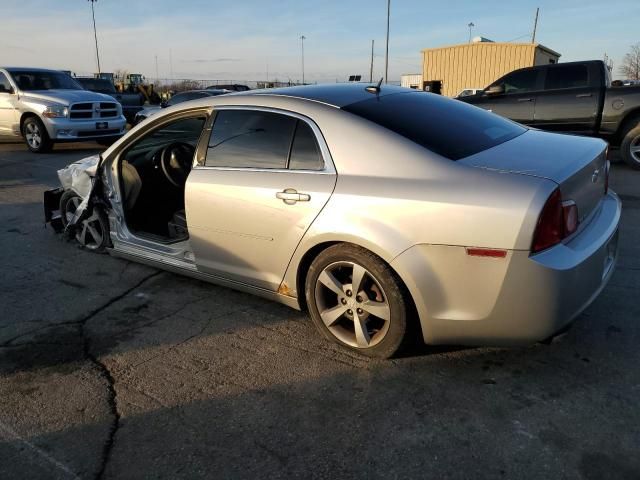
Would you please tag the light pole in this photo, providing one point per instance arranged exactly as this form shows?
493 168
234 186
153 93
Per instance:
302 39
95 35
470 25
386 55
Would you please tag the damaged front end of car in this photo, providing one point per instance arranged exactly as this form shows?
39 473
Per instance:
78 208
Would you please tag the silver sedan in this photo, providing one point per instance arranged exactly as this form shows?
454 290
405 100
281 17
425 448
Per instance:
390 215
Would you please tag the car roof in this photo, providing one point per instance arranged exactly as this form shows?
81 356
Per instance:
29 69
334 94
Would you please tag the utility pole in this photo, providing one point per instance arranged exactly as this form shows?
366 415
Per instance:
386 56
157 76
302 39
171 64
371 69
470 25
95 35
535 26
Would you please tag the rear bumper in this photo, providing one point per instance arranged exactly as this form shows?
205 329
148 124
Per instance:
520 299
65 129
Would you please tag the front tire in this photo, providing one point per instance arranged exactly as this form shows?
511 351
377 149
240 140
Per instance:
36 136
92 232
630 146
356 300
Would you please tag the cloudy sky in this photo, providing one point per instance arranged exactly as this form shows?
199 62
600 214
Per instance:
251 39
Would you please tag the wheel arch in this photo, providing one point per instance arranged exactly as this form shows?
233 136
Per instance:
631 118
302 268
24 117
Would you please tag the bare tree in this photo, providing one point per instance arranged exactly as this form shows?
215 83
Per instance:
630 67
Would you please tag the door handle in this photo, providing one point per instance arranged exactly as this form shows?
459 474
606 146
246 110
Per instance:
291 196
525 99
584 95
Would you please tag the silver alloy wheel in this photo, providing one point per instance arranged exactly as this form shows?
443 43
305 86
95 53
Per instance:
33 135
634 149
352 304
89 233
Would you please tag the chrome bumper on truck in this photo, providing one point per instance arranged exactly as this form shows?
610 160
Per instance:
60 129
520 299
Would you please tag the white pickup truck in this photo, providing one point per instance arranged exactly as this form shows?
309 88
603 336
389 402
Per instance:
48 106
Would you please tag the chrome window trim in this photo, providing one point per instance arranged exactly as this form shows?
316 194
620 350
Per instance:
329 166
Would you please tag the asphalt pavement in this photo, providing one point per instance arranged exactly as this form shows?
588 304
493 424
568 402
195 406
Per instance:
111 369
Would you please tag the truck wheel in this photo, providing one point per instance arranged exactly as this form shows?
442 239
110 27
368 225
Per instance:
630 146
36 136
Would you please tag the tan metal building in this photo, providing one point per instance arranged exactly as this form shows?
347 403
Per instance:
478 64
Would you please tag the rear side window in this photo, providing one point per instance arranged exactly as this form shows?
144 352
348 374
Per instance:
250 139
183 97
567 76
305 153
450 128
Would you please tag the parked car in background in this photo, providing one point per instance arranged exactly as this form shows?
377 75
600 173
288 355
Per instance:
336 199
575 97
131 102
174 100
468 91
48 106
232 87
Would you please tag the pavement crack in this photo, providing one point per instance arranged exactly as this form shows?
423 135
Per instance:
112 398
87 317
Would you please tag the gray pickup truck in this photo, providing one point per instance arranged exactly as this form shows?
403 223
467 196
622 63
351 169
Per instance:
131 103
574 97
48 106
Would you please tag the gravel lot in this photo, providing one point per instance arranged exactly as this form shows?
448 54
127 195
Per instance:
110 369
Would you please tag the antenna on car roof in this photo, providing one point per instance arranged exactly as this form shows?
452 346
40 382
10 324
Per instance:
375 89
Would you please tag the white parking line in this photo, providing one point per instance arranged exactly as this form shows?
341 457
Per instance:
7 433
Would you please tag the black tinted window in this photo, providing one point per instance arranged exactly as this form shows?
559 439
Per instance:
5 86
250 139
567 76
305 153
447 127
519 81
186 130
97 85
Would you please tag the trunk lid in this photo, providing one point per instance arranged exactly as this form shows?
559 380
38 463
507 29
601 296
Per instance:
577 164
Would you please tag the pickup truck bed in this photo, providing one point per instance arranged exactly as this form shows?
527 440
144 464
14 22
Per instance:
575 97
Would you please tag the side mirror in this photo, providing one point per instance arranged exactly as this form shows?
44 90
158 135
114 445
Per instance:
495 90
3 89
164 104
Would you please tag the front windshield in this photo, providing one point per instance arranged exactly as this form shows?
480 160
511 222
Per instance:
45 80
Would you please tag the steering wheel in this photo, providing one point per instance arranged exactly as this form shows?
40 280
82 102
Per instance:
176 160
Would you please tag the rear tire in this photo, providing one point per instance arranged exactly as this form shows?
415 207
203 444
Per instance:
36 136
630 146
369 318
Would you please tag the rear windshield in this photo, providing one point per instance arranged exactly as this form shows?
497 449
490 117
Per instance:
97 85
447 127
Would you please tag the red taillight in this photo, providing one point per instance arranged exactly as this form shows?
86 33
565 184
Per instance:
557 221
